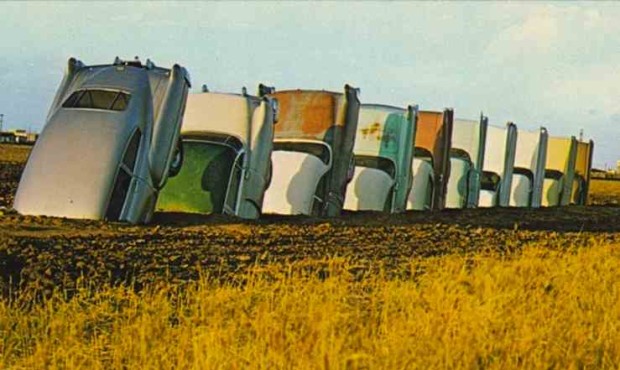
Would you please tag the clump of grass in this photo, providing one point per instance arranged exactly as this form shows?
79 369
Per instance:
535 309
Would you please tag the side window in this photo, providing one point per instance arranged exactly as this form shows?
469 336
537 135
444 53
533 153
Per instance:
233 185
123 178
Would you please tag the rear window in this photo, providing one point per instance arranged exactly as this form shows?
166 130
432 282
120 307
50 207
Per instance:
98 99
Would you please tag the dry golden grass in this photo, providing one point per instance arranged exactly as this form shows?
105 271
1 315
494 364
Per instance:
534 309
604 191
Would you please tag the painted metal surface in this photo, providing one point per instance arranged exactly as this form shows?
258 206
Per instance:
421 194
529 169
227 142
466 161
583 165
311 121
498 165
433 143
559 171
97 160
383 153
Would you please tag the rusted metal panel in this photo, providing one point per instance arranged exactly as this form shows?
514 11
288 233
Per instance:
324 117
308 114
434 135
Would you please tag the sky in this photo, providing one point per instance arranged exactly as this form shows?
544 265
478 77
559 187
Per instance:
533 63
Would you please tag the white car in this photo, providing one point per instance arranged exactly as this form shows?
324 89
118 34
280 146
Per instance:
312 151
108 143
529 169
466 160
383 153
431 161
559 171
226 149
499 159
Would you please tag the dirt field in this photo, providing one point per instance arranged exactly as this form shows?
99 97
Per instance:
50 252
482 288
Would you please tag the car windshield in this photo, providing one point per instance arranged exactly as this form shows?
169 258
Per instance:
98 99
202 184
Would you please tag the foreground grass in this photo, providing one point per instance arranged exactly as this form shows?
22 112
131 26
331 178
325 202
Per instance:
534 309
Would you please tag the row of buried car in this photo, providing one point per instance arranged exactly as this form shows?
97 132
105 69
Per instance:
127 139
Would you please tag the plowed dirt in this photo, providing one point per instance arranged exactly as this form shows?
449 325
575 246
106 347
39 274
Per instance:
52 253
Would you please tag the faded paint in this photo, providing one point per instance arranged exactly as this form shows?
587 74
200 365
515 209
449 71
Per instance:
383 132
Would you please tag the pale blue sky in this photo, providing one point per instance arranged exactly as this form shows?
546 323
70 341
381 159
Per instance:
552 64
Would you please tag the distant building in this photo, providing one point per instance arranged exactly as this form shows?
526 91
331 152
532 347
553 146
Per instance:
7 138
18 137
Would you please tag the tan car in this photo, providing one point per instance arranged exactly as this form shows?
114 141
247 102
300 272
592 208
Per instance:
499 159
529 168
583 166
431 161
108 143
559 171
466 160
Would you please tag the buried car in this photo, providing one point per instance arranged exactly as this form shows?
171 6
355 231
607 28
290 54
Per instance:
529 169
559 171
499 158
108 143
226 150
583 166
466 160
383 153
312 151
431 161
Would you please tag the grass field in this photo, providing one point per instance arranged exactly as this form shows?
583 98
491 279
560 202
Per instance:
501 289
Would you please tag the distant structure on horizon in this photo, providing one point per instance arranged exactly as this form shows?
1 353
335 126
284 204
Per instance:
18 137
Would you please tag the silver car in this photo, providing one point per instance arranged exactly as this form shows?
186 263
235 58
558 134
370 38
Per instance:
108 143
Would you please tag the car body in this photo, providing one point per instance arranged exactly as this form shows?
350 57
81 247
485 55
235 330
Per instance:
466 160
313 151
227 141
383 153
583 166
529 168
499 158
431 161
108 142
559 171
